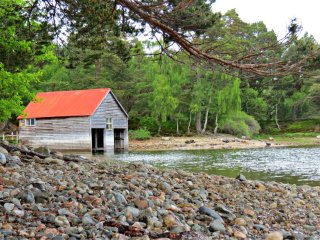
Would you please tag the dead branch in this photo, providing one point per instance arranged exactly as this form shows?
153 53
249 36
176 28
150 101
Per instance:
30 153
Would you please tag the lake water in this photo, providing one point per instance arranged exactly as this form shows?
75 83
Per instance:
288 165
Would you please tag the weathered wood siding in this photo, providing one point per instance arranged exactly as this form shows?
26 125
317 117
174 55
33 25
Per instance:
109 108
58 133
75 132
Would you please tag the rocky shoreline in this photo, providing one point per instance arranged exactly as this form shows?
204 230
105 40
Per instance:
220 141
57 197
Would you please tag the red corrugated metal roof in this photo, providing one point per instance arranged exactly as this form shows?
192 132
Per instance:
65 103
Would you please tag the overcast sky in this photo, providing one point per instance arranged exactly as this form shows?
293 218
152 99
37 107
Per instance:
276 14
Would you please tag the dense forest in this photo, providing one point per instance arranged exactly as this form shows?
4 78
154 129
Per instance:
177 69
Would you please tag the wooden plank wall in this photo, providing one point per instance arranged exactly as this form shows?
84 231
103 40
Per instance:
75 132
109 108
58 133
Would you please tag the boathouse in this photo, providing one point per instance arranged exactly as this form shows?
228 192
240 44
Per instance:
91 120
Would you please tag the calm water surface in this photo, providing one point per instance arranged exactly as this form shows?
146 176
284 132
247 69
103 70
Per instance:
288 165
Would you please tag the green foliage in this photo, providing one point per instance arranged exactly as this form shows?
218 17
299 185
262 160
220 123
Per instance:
240 124
300 134
169 128
304 126
253 104
228 95
236 38
271 129
20 56
140 134
161 94
14 88
149 123
166 78
299 139
296 105
303 138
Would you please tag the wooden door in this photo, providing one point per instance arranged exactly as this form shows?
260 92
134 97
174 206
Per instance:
118 139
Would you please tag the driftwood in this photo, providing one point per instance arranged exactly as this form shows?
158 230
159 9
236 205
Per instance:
70 158
11 148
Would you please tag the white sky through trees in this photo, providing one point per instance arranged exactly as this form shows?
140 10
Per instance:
276 14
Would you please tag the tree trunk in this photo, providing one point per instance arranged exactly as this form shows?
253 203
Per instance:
159 128
294 113
205 122
198 122
189 122
217 125
276 117
177 126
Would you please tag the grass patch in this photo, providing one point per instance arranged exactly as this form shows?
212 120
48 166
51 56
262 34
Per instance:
299 126
140 134
298 138
304 126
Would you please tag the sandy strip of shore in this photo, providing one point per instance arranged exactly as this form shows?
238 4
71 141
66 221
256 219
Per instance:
199 142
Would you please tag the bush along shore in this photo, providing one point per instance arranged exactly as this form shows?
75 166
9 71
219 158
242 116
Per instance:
69 197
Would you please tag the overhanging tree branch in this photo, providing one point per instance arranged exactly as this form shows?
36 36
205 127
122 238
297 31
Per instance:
278 68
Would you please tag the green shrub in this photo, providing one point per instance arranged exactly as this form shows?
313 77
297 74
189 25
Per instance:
304 125
271 129
168 128
150 124
140 134
241 124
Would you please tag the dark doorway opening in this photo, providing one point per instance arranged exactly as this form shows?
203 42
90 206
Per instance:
119 139
97 135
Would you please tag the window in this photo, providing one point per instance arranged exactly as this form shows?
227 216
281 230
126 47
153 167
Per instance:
109 124
30 122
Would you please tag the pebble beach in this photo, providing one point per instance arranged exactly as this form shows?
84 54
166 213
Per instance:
51 198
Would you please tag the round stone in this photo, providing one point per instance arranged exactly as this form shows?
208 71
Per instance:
240 222
8 207
3 159
217 225
274 236
239 234
62 221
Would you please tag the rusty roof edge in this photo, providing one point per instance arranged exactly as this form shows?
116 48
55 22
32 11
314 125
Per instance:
55 116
